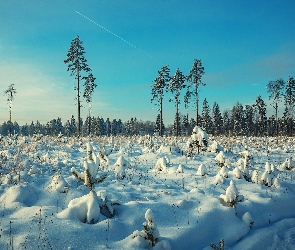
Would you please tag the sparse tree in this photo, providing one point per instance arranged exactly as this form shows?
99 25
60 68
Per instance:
260 108
275 90
10 93
195 77
160 83
290 101
176 84
77 64
89 87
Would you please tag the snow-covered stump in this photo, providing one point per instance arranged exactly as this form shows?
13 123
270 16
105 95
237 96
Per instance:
88 177
231 196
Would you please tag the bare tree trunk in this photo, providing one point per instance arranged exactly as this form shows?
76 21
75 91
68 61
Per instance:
291 118
10 125
177 119
161 115
197 107
79 104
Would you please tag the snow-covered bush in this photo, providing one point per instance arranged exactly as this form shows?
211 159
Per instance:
288 164
223 172
58 183
88 177
202 170
198 139
268 175
120 167
215 147
231 196
162 164
150 234
179 169
220 159
248 219
85 208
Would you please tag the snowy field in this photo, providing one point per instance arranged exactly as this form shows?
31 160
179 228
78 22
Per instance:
145 193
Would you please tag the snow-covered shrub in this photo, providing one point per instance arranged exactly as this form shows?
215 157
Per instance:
120 167
150 234
85 208
58 183
255 176
88 177
248 219
198 139
288 164
238 173
231 196
215 147
179 169
220 159
268 175
34 170
223 172
161 164
202 170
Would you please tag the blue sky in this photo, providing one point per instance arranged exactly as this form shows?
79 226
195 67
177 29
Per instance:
242 45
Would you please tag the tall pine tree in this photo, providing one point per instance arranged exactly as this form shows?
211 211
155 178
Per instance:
77 64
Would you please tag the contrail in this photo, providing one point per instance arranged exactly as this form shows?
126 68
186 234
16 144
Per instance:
114 34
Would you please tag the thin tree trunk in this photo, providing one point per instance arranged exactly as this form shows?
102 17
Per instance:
10 125
291 119
161 115
79 105
197 106
177 119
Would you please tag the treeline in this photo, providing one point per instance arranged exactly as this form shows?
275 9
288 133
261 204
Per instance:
95 126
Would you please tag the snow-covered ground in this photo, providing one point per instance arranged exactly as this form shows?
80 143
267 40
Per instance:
153 194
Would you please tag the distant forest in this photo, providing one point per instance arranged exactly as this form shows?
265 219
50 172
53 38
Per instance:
248 120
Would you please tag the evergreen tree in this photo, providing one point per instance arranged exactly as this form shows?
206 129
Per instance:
275 88
195 77
284 122
160 83
114 127
186 100
77 64
260 108
5 128
238 119
10 92
290 101
217 120
73 126
227 122
108 127
68 128
16 128
159 124
249 121
32 129
25 130
176 84
206 121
